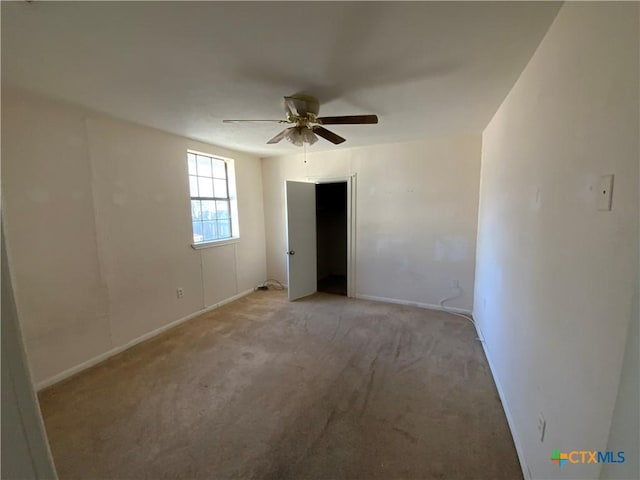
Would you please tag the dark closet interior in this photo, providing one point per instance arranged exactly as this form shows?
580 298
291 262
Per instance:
331 231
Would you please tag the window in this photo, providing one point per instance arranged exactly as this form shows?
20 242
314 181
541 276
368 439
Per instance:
213 206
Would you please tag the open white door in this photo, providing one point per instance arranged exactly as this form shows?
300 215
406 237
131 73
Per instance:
300 199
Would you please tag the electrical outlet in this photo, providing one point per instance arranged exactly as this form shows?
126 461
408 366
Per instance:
542 424
454 284
180 292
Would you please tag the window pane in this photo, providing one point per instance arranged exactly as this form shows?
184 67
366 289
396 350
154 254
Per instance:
204 166
208 210
218 169
193 186
196 213
191 158
224 228
220 187
205 187
209 231
197 232
208 181
222 209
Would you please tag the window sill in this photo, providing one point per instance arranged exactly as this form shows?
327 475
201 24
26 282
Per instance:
215 243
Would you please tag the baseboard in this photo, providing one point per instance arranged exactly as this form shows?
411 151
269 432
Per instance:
114 351
505 406
428 306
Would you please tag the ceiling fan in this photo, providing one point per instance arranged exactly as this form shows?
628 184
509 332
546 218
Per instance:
302 113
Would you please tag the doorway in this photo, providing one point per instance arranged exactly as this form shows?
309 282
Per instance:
332 237
301 237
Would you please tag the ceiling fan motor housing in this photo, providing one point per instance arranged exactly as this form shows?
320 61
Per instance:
305 104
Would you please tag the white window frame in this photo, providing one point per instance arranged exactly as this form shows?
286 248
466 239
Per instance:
232 198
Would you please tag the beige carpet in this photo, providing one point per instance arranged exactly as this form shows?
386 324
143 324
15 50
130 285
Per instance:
326 387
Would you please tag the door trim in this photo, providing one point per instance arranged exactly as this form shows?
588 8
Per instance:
350 180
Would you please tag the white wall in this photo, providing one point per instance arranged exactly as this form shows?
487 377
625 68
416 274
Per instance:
625 425
416 214
98 225
555 277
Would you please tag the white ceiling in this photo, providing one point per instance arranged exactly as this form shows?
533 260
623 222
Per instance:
424 68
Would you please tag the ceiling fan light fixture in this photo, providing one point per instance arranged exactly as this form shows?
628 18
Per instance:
294 136
300 136
308 136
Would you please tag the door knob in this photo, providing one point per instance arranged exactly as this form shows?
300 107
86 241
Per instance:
291 252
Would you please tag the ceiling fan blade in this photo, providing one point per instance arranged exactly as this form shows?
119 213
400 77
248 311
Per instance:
280 136
291 106
348 120
254 121
328 135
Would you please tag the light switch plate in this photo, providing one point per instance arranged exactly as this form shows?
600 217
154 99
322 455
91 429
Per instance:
605 192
